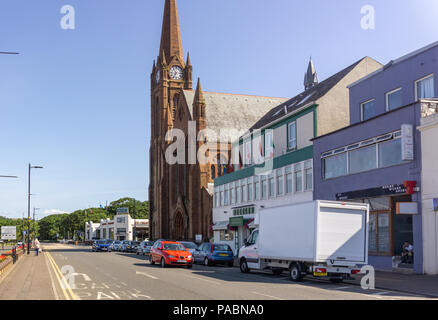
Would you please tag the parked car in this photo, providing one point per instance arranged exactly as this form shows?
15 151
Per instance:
190 246
168 253
115 245
145 247
214 253
123 245
101 245
132 246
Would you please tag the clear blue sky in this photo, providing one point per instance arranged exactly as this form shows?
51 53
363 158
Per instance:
77 101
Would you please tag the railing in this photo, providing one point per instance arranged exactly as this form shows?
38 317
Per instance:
11 256
428 107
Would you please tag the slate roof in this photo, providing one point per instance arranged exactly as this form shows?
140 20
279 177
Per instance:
310 95
231 115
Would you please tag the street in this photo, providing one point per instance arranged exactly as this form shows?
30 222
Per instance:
127 276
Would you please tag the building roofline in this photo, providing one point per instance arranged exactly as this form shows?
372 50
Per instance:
393 62
242 95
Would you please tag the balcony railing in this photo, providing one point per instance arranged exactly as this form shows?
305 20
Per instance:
428 107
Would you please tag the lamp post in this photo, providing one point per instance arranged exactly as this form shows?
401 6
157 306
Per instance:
28 207
34 229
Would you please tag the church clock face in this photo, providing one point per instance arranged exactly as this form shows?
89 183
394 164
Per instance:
176 73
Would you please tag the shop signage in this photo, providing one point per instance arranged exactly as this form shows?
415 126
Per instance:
122 210
236 221
406 208
407 140
388 190
435 204
9 232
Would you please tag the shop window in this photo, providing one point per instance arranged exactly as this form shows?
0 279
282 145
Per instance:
308 174
226 235
363 159
280 182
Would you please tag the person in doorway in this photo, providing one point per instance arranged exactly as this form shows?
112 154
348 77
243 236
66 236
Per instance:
407 252
37 246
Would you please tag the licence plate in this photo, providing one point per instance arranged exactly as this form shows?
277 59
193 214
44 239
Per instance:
181 261
320 274
224 255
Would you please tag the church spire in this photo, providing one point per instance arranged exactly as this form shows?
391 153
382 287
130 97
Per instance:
310 77
199 94
171 35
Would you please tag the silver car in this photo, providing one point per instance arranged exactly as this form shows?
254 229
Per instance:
190 246
144 248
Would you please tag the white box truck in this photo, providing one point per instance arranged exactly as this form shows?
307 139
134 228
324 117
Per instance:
326 239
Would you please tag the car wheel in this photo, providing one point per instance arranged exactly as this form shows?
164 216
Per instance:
206 262
244 266
295 272
163 263
151 260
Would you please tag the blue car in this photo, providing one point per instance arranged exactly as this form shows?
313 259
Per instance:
214 253
101 245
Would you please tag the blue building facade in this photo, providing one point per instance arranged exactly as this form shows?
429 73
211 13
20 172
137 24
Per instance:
377 159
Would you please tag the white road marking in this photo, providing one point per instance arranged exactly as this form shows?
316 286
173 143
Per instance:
215 282
51 279
380 293
266 295
123 283
146 274
341 288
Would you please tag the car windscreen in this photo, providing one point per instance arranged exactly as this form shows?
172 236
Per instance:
189 245
221 247
109 242
149 243
135 243
174 247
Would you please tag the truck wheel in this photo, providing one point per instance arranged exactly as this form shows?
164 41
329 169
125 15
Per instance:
244 266
295 273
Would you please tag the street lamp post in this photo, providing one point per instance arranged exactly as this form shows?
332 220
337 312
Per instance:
28 207
34 229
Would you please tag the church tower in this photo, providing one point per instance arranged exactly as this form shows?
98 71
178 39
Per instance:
169 75
310 77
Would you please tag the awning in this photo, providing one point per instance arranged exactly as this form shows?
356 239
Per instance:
221 225
249 224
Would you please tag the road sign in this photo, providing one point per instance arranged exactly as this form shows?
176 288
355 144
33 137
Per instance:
9 233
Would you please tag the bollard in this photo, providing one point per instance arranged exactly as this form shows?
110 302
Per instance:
14 255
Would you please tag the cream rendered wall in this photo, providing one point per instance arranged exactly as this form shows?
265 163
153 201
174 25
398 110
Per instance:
429 190
280 141
333 110
305 129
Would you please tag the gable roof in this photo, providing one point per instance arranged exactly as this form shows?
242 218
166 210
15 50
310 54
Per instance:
305 97
232 113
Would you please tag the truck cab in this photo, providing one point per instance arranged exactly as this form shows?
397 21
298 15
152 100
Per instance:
249 253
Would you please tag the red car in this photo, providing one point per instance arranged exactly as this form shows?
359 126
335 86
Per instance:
170 253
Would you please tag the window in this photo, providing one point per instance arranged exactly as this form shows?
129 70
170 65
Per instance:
264 187
257 190
335 166
368 110
269 145
424 88
280 181
271 185
213 172
121 230
292 136
121 220
239 194
216 199
244 192
379 234
233 195
298 178
226 235
289 180
308 172
222 198
394 99
249 190
363 159
226 195
390 153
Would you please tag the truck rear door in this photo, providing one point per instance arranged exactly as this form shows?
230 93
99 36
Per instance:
342 234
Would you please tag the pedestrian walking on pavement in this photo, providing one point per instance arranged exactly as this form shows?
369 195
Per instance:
37 246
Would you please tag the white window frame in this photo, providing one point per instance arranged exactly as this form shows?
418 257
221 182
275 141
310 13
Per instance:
305 175
246 144
269 147
387 97
361 108
295 177
419 80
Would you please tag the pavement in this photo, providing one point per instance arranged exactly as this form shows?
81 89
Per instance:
126 276
30 279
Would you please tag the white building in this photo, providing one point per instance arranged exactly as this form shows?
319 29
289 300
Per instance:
122 227
429 183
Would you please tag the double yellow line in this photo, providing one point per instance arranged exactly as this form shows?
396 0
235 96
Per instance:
66 289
